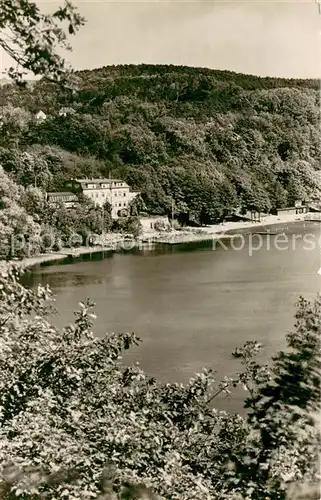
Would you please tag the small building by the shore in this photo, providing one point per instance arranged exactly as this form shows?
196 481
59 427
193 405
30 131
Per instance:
299 209
314 216
314 203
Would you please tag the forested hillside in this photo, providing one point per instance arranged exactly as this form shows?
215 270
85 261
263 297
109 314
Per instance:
212 140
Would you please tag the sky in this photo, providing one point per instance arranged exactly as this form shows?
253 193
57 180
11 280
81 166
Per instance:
266 38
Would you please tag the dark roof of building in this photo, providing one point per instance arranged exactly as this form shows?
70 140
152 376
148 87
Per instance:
62 193
292 208
99 181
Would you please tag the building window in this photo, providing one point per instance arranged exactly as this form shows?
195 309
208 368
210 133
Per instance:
124 193
120 204
124 204
115 194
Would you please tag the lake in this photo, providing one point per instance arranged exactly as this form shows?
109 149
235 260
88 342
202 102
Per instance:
193 304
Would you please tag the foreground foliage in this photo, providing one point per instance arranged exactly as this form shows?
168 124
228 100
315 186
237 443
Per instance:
32 39
77 423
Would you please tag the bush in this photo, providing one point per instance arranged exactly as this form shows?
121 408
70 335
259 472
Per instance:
131 225
162 226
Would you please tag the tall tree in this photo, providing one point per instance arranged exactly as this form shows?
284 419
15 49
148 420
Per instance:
284 417
33 39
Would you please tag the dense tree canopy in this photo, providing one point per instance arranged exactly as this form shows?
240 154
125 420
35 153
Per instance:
211 140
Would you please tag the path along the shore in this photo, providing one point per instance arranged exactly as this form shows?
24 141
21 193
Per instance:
226 230
188 235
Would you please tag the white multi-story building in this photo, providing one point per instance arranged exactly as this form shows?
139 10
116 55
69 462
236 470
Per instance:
115 191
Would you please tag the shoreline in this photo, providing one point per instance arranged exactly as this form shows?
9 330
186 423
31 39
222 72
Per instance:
189 235
56 257
228 230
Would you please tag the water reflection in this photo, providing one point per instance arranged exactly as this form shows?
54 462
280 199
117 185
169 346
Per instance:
190 305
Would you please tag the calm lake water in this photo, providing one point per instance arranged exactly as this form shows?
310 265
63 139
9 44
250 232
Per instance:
192 305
